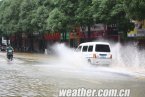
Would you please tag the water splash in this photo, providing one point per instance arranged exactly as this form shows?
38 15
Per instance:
68 56
128 56
127 60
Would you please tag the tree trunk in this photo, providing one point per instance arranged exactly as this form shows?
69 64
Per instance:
89 33
31 43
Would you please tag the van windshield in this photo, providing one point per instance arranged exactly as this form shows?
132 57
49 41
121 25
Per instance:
102 48
79 48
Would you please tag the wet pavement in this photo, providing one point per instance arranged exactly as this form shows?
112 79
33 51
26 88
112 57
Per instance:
38 75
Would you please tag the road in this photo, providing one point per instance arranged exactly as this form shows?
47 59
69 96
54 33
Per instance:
43 76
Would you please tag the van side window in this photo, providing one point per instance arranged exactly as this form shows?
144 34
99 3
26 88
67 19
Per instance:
90 49
85 48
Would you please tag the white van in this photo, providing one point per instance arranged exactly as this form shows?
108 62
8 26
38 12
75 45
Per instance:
96 52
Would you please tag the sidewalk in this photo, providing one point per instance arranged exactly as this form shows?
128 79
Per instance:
29 56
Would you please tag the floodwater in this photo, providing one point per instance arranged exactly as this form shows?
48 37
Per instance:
36 78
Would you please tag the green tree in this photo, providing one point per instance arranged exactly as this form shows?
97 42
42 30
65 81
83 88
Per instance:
30 16
62 17
9 16
84 15
56 20
40 16
111 12
27 12
135 9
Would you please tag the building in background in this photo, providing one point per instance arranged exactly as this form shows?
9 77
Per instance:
139 29
97 32
138 34
36 42
3 43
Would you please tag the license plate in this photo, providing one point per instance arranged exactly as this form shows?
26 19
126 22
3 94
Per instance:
103 54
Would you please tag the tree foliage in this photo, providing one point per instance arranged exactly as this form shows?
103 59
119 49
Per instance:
135 9
30 16
56 20
9 15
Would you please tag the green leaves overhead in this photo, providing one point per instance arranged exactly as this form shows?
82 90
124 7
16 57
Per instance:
56 20
26 16
84 13
135 9
30 16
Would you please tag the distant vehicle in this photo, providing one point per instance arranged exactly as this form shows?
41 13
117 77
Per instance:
96 52
3 47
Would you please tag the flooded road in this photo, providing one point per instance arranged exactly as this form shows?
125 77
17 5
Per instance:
30 77
23 79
